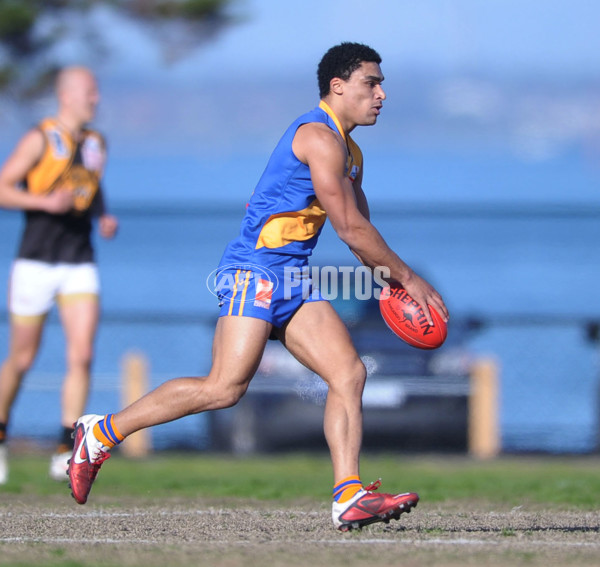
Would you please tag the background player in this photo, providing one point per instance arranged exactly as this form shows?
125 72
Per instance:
54 175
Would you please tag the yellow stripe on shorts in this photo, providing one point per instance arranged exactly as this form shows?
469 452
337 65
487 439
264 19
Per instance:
245 290
235 291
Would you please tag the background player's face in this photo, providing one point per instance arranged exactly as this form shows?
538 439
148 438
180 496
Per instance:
81 96
364 93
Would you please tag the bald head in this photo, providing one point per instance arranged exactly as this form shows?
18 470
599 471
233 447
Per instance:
77 94
69 75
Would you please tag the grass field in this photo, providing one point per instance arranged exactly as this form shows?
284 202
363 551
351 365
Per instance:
197 509
572 482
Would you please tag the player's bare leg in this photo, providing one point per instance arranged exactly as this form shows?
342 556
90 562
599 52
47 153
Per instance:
25 337
79 315
317 337
80 320
238 346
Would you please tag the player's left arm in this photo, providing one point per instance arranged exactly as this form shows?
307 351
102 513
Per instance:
107 224
325 154
361 199
361 203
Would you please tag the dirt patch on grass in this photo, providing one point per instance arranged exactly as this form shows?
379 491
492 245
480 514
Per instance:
236 533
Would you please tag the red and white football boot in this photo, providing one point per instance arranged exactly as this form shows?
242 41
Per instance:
368 507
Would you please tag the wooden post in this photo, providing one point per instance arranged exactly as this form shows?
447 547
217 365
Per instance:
484 431
134 386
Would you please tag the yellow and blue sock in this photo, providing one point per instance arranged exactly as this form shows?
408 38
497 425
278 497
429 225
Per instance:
347 488
106 432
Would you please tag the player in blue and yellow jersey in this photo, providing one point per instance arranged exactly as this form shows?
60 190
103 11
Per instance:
54 176
314 173
279 232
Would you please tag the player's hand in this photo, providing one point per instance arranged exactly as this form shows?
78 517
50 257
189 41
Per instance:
425 295
108 226
57 202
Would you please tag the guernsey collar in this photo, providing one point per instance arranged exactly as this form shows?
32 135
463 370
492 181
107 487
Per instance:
324 106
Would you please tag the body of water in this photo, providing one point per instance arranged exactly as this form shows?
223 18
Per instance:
528 270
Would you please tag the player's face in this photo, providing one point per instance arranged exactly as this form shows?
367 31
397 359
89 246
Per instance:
84 97
365 94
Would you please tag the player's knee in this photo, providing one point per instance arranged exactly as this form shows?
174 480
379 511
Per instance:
22 361
358 374
232 396
350 379
80 356
228 396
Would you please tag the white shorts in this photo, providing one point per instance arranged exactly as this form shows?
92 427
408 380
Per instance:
36 286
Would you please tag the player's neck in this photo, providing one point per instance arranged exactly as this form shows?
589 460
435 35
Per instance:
73 126
343 126
338 116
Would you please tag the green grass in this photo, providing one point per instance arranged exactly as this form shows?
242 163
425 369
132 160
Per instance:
572 483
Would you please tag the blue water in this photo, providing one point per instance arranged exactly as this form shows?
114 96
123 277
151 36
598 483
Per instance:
528 268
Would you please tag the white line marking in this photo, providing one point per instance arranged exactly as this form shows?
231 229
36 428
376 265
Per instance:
342 540
404 542
55 540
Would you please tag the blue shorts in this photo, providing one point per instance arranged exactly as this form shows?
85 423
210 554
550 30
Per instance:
273 294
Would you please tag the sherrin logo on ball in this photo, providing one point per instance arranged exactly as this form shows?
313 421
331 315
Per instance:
406 319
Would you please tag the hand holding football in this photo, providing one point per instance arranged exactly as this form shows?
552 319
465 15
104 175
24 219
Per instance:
405 317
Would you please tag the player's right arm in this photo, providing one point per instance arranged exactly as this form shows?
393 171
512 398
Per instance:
25 156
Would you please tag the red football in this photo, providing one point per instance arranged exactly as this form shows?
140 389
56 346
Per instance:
405 317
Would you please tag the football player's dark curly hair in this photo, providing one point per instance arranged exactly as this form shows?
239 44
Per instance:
341 61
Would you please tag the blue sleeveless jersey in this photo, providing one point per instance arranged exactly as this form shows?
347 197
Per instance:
284 216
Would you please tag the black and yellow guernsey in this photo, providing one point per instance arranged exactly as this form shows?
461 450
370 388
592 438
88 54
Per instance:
76 166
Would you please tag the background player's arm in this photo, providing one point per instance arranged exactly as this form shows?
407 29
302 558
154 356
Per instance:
325 154
108 224
14 171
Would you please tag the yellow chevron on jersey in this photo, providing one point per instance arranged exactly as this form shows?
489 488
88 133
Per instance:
58 167
282 228
354 161
284 216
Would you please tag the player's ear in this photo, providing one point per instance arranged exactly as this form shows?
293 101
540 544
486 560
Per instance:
336 85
